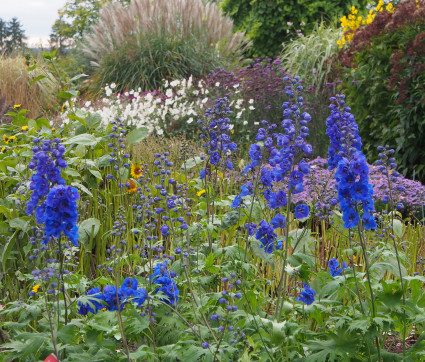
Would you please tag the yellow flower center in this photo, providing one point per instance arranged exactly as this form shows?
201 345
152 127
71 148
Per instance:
136 171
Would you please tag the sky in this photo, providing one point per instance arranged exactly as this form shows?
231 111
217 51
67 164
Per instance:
36 17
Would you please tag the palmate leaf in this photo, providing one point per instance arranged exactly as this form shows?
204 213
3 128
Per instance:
25 345
144 353
361 325
339 348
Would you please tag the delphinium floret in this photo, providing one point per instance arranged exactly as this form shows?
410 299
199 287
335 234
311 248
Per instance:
334 267
307 295
162 276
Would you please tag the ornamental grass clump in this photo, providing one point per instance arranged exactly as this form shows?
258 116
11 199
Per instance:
19 84
140 44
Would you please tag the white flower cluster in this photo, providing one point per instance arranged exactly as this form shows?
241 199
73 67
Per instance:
180 101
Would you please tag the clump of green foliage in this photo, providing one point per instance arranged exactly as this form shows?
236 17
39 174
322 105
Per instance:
384 77
269 23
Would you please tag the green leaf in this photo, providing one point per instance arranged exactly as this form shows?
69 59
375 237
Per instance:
80 151
68 334
103 161
4 227
388 266
301 239
6 251
124 172
137 135
93 120
230 219
86 228
19 223
82 188
398 227
96 174
258 251
42 122
359 324
68 94
36 79
192 162
82 139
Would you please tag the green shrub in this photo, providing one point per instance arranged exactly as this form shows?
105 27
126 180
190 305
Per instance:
269 23
384 78
139 45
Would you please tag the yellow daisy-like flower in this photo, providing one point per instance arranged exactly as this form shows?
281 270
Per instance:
131 187
53 129
24 128
36 288
16 106
8 139
136 171
200 193
3 149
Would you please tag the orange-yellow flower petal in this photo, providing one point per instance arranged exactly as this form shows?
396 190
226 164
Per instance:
131 187
200 193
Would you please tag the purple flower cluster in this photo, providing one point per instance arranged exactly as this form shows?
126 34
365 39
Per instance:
47 161
319 187
307 295
162 276
61 213
352 175
215 133
334 267
266 235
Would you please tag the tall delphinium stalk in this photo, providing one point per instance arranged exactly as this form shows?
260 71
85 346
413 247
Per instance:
276 158
56 212
351 180
215 134
387 167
